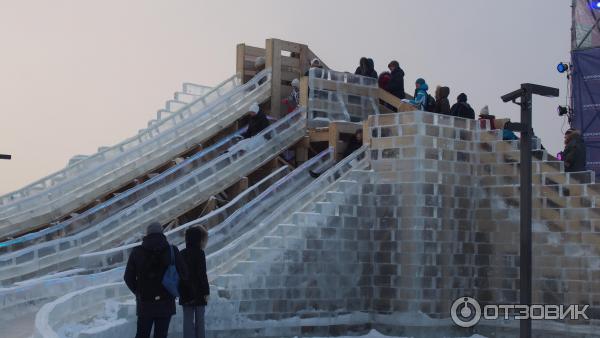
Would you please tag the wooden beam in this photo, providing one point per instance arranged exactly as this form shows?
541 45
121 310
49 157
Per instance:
274 62
319 134
395 102
240 60
255 51
304 92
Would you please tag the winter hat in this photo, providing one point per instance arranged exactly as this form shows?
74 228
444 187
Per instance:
295 83
254 108
485 111
420 81
259 62
315 62
462 97
154 228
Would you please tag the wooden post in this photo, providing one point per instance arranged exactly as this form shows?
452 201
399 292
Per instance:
240 61
274 62
304 92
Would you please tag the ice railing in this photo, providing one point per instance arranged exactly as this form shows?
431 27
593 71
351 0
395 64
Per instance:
218 114
102 260
218 260
76 307
189 93
110 152
52 286
161 206
339 96
123 200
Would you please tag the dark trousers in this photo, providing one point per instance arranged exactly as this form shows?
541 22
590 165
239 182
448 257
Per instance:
144 326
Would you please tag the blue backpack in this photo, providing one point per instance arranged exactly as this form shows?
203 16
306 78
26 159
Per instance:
171 278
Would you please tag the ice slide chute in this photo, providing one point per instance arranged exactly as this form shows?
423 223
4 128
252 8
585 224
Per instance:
191 125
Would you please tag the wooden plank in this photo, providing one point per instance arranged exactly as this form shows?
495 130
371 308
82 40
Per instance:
274 62
304 59
288 46
395 102
366 132
302 150
255 51
304 91
288 76
319 134
290 62
240 60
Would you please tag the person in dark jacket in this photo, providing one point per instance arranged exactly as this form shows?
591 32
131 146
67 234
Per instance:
461 108
195 291
575 152
355 143
396 85
442 104
366 68
258 121
145 269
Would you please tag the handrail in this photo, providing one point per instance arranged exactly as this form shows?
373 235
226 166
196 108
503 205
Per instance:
101 155
395 102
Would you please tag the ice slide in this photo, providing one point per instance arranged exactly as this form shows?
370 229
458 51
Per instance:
81 183
162 205
100 212
82 305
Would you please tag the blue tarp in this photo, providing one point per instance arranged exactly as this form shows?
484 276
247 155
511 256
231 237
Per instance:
586 102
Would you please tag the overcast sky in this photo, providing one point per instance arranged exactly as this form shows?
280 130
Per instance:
76 75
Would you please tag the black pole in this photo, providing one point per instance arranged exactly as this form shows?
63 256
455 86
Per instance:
525 94
5 157
525 186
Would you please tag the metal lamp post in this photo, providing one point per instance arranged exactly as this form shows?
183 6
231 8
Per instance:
525 94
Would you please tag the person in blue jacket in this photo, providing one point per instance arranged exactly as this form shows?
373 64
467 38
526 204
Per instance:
420 100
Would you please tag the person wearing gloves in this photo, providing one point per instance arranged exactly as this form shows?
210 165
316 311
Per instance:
257 122
293 100
420 100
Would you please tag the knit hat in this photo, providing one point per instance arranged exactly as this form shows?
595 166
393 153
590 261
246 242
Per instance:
462 97
154 228
420 81
295 83
259 62
315 62
254 108
484 111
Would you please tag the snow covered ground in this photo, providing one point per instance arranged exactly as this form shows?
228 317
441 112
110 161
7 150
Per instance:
376 334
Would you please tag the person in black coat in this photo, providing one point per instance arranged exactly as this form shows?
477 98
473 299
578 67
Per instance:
575 152
258 121
366 68
396 85
194 291
145 269
461 108
355 143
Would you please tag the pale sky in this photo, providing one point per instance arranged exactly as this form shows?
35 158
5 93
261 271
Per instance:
76 75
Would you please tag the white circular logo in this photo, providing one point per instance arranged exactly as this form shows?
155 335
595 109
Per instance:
465 312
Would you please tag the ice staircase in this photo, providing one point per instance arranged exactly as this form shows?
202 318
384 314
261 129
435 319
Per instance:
81 183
